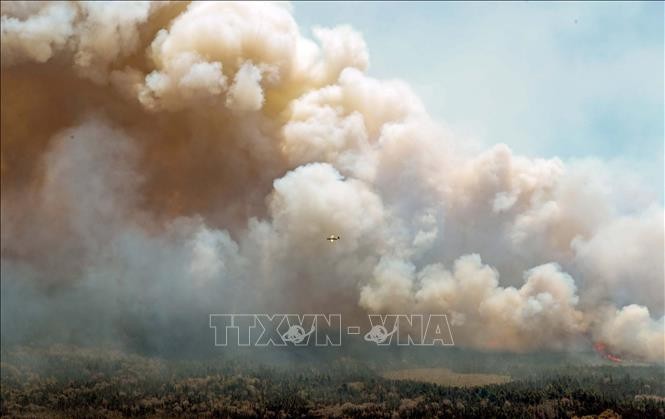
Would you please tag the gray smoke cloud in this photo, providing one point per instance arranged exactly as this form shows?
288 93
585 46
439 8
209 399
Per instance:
161 161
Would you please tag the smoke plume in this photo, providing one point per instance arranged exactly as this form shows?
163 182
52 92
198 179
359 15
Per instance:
162 161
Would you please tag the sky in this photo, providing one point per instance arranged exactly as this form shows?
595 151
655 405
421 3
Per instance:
573 80
200 155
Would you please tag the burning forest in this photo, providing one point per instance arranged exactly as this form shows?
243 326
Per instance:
162 161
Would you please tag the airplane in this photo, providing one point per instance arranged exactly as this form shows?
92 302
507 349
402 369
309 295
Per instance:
332 238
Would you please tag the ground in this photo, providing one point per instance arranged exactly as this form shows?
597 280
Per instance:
65 381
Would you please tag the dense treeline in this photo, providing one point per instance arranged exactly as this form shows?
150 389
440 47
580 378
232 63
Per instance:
70 382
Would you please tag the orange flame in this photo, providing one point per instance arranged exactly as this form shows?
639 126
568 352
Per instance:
601 349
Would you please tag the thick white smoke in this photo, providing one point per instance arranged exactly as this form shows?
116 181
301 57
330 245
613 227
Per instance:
161 161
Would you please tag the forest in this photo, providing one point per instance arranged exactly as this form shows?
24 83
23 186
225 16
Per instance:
61 381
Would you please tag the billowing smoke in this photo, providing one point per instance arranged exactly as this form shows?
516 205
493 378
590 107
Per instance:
164 161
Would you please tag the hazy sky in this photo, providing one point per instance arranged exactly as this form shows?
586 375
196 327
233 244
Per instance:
205 179
574 80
